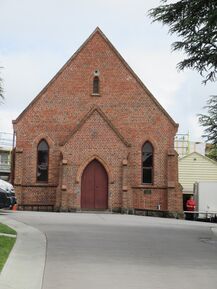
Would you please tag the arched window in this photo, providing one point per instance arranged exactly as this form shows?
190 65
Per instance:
96 85
42 161
147 163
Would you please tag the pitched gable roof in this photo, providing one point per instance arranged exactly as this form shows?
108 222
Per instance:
98 30
199 155
102 114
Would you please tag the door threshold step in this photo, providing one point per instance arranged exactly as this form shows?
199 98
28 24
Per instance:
95 211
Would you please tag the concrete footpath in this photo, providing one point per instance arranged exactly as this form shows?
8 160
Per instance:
214 230
24 268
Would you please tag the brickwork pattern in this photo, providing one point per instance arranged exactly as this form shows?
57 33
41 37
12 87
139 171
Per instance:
59 110
95 139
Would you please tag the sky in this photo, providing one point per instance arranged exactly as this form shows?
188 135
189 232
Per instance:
38 37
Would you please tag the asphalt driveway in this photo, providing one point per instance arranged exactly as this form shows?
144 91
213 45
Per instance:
121 251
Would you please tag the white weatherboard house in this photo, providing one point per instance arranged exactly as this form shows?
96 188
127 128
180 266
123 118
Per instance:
194 168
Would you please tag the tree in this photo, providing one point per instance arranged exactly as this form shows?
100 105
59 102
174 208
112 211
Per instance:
195 22
212 154
209 121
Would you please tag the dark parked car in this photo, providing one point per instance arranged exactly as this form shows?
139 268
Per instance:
11 199
9 190
5 199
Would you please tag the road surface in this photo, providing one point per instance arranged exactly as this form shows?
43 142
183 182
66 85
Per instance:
121 251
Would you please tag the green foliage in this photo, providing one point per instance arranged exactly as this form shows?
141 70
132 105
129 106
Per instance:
209 121
6 244
212 154
195 22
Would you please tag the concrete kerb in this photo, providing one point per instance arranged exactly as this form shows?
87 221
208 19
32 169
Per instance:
24 268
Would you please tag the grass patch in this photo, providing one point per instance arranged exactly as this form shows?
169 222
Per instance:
6 244
7 230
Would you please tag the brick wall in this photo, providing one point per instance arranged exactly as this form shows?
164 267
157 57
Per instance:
112 127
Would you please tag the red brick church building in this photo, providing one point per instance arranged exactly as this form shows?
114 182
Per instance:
96 138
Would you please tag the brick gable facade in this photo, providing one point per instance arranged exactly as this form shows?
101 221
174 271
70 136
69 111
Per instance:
110 127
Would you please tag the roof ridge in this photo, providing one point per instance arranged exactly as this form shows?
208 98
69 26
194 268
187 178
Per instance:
203 156
98 30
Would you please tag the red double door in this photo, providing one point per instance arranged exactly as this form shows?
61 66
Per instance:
94 187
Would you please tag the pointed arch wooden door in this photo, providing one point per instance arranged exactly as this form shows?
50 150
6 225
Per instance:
94 187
